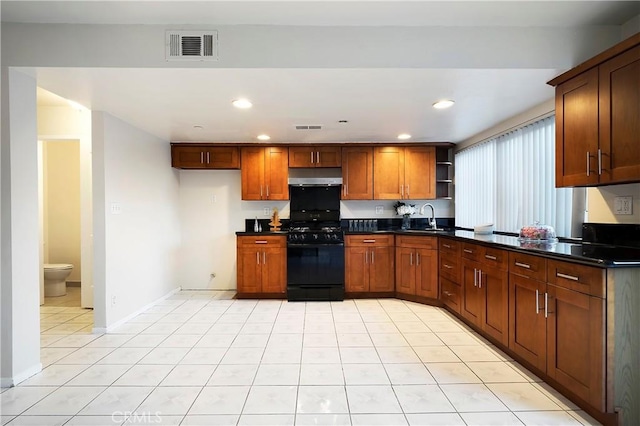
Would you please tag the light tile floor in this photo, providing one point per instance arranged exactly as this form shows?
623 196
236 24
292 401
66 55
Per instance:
200 358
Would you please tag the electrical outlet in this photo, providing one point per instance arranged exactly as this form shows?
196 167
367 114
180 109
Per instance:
379 209
266 211
623 205
116 208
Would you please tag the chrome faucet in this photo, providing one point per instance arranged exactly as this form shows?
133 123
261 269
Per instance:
432 221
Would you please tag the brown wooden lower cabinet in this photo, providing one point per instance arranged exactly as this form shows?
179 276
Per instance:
262 265
417 266
369 264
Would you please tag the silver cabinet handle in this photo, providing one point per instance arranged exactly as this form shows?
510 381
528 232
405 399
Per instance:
488 256
546 305
267 192
523 265
475 277
408 196
411 258
447 266
588 165
208 157
311 157
261 192
261 241
417 258
446 246
366 257
568 277
318 157
479 278
372 258
402 191
258 258
202 157
537 302
467 251
368 241
264 257
599 161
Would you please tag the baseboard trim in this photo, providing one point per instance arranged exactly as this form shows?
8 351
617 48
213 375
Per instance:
7 382
138 312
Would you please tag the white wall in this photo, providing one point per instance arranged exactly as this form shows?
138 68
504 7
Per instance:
141 244
20 300
600 203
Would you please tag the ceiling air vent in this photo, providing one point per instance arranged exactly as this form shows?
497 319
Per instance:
304 127
191 46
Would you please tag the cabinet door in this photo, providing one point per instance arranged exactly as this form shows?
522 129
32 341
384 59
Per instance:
328 156
252 170
471 298
249 270
405 270
276 173
357 173
302 156
356 269
381 270
427 273
274 270
494 288
577 130
420 173
528 327
222 157
187 157
388 173
620 117
575 343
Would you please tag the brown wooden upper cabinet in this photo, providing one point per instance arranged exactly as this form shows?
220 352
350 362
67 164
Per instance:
204 157
404 173
314 156
265 173
357 173
598 119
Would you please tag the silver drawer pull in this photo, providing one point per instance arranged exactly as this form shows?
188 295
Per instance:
447 266
569 277
261 242
523 265
467 251
488 256
446 246
446 293
368 241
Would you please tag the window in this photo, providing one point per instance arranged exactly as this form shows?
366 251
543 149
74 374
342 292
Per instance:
510 181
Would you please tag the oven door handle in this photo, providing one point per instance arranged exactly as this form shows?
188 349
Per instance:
315 245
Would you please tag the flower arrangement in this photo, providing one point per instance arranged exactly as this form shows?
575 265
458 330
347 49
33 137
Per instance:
403 209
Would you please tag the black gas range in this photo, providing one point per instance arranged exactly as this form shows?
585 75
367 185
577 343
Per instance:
315 244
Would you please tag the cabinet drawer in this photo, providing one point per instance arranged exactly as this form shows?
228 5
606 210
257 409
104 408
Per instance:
449 267
450 294
495 258
582 278
263 241
369 240
447 245
471 251
526 265
413 241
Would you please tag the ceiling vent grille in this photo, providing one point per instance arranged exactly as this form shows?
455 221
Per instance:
191 46
306 127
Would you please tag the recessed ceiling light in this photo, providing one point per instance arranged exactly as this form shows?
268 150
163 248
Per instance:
343 121
198 127
446 103
242 103
264 137
403 136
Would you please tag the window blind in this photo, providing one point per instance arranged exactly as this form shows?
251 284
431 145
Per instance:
510 181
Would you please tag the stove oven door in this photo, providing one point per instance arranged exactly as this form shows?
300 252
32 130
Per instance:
315 271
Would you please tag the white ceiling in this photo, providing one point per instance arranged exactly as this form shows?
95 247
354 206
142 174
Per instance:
378 103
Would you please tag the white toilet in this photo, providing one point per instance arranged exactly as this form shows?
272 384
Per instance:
55 278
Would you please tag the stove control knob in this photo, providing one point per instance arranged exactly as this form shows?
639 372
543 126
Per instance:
315 236
334 236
